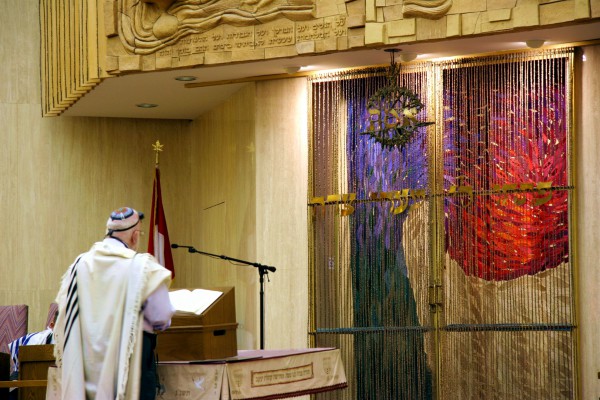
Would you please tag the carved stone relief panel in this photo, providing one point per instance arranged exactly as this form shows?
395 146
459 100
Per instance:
163 34
149 25
433 9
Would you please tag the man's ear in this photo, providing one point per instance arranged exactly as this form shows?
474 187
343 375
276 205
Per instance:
135 237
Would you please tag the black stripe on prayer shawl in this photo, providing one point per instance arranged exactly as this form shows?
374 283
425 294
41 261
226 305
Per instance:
72 291
72 309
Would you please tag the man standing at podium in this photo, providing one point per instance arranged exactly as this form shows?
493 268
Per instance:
110 302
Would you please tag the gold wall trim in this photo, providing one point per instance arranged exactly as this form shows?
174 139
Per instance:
68 52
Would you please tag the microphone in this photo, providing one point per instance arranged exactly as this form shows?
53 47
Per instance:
174 246
268 268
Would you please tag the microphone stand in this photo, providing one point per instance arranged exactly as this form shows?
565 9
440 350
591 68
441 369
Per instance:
262 271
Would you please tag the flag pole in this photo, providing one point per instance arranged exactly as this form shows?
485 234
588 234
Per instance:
158 242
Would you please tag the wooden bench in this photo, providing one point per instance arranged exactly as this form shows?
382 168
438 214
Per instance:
34 362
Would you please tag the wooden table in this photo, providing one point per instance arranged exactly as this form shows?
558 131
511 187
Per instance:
253 374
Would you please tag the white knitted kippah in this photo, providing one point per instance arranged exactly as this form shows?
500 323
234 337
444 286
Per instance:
122 219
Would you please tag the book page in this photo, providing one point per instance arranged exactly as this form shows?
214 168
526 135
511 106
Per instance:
195 302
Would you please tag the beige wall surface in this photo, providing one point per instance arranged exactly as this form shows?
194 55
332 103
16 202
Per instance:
222 211
588 221
281 198
248 201
60 179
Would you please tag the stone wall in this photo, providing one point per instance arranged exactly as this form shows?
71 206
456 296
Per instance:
85 42
177 33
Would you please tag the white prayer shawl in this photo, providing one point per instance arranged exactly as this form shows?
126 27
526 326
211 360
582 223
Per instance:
97 348
43 337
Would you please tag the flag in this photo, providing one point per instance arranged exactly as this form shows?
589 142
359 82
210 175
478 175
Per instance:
158 242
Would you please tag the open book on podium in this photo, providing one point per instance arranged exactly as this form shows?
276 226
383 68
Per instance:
203 327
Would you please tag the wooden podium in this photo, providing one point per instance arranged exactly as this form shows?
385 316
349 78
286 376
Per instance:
210 335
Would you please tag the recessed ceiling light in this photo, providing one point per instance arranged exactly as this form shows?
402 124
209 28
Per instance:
185 78
534 43
146 105
407 56
291 69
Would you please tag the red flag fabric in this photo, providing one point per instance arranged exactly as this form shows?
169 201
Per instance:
158 242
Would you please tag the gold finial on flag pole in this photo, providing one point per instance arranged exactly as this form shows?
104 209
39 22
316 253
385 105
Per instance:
157 148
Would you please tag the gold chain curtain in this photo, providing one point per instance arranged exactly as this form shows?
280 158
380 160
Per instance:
442 269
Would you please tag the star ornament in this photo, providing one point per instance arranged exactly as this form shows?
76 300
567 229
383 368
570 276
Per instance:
392 116
157 148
